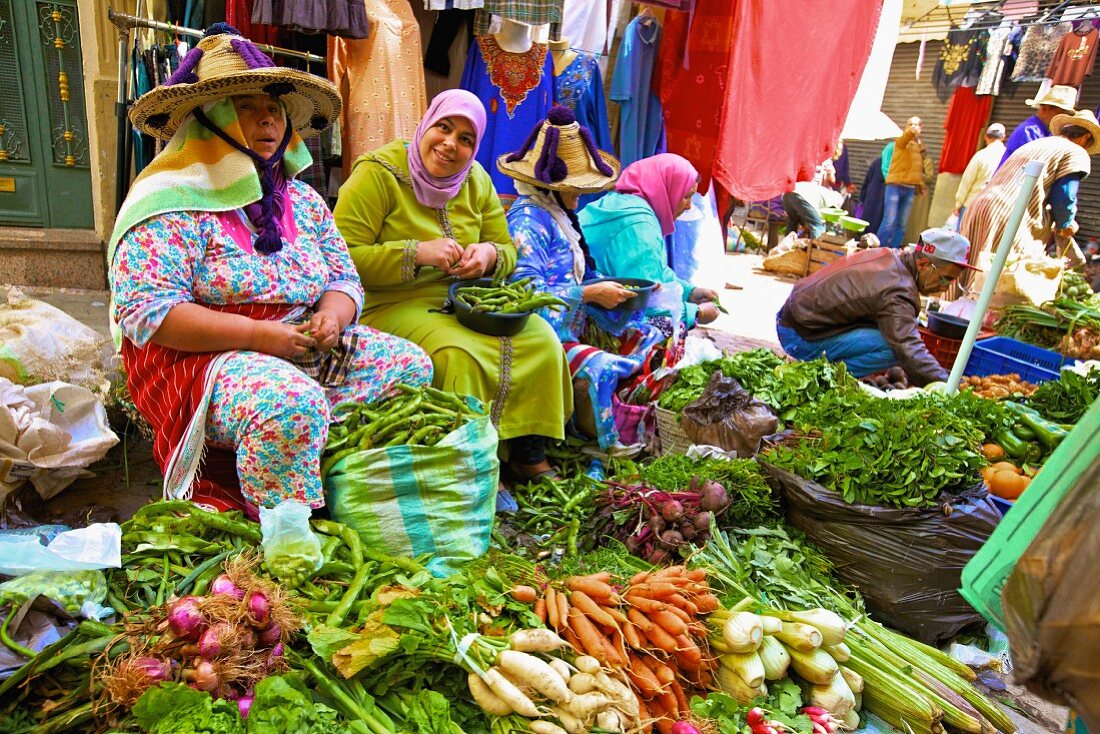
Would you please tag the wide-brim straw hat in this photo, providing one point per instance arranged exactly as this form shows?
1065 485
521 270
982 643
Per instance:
226 64
582 176
1085 119
1060 96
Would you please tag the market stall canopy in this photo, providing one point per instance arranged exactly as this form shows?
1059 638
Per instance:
866 121
930 20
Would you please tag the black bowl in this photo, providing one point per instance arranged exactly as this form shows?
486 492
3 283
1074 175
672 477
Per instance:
491 324
642 286
945 325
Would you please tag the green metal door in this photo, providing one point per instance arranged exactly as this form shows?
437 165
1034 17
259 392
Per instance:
44 174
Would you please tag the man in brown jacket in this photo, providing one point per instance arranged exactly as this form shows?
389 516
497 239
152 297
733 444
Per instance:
903 183
862 309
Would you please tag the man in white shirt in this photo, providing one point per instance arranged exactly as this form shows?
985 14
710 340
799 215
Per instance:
980 168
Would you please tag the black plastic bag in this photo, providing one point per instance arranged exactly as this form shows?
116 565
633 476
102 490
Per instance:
1052 612
907 563
728 417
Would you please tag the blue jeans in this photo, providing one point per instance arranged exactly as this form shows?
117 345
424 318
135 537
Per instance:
802 213
863 350
896 205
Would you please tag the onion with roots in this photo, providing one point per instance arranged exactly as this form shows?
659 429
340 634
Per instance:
185 618
270 635
203 676
244 705
259 609
224 585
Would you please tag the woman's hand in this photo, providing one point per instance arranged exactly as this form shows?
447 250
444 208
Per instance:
280 339
477 260
607 294
707 312
324 326
441 254
702 295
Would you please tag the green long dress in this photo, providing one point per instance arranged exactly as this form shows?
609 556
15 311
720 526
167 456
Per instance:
526 376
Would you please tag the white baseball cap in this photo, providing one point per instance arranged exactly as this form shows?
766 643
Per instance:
996 130
943 244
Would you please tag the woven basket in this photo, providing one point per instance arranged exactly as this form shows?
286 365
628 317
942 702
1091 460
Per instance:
672 439
791 262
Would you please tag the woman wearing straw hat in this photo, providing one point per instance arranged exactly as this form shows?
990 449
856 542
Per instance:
234 293
557 165
626 231
1052 208
420 214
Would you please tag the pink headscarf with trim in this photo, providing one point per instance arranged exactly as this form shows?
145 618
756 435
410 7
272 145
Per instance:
663 181
436 192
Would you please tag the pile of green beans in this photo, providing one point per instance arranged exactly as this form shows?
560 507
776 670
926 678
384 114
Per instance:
416 416
517 297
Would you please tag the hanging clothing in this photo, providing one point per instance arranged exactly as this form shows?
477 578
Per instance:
346 18
998 48
1075 57
756 161
967 116
453 4
517 91
985 218
641 120
1030 129
524 377
584 25
960 62
437 57
1037 50
872 196
546 256
531 12
238 13
381 79
580 88
694 60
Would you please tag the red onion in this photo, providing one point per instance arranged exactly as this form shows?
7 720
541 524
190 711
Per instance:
203 676
271 635
244 705
157 670
212 640
224 585
259 608
276 655
185 619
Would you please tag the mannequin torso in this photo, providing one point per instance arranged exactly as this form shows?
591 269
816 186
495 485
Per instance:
563 55
514 37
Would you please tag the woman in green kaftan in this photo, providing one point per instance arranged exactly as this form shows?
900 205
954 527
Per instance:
418 215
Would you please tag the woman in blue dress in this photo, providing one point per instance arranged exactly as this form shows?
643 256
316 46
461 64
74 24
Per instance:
558 163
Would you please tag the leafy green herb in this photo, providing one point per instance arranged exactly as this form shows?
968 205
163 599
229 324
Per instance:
283 705
752 499
173 708
1066 399
782 704
750 368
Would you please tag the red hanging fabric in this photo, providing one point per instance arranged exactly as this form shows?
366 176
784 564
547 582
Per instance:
693 95
790 87
967 116
238 13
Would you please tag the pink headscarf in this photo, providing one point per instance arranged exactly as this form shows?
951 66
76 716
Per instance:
663 181
436 192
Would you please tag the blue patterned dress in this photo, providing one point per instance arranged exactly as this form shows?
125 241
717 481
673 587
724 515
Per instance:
545 256
580 88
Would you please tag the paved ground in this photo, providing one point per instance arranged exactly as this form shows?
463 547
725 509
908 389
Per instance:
128 478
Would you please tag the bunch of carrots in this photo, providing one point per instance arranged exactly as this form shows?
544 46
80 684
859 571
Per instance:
650 628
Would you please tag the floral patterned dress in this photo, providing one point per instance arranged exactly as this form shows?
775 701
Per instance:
602 347
268 410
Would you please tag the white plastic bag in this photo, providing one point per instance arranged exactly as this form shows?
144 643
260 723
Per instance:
96 546
952 223
49 434
40 343
291 550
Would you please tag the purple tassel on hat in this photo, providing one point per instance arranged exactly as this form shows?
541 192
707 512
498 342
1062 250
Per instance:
253 57
560 115
550 168
185 74
590 145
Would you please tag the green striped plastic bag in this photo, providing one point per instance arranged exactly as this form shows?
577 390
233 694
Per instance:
414 500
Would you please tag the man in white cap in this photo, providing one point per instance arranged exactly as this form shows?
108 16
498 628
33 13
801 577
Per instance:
862 309
1058 100
980 168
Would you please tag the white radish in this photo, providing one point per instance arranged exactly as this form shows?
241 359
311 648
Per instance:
619 691
532 671
584 683
484 697
541 726
569 722
561 668
536 640
586 705
587 664
609 720
507 692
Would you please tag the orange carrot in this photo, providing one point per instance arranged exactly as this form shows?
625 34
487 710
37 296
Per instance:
645 604
563 608
669 622
594 643
677 611
661 639
632 636
697 574
670 704
665 725
684 603
669 571
641 621
688 655
681 699
642 676
614 657
706 603
614 613
643 712
618 641
653 590
604 576
540 609
639 577
523 593
594 588
584 602
552 608
571 637
665 674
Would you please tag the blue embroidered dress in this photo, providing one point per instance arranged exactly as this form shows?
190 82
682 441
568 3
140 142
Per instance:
545 255
580 88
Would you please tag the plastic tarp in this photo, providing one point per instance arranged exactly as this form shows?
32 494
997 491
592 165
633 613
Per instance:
778 124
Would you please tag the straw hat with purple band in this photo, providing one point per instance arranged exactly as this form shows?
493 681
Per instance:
1085 119
946 246
226 64
560 155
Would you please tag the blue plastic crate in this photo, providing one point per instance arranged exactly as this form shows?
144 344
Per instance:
1002 504
1000 355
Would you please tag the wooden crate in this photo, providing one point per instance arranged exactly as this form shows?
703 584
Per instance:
822 253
